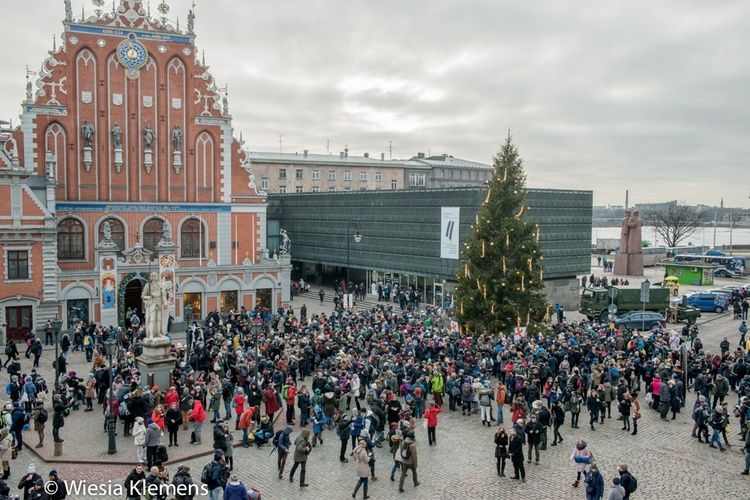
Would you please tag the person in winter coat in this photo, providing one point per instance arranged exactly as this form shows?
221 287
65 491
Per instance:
617 492
219 436
302 449
558 419
318 420
229 443
197 414
272 404
133 482
575 409
501 450
431 415
283 450
6 446
593 405
183 477
344 433
36 417
246 423
665 402
594 484
303 403
515 449
173 420
582 457
235 490
153 435
362 456
410 462
533 432
139 440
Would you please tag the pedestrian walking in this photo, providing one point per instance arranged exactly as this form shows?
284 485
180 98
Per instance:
139 439
409 461
302 448
363 458
431 416
235 490
624 407
558 419
594 484
582 456
283 444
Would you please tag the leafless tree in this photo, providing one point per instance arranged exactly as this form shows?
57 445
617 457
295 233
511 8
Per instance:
675 222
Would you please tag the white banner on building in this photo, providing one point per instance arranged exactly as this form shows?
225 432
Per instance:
449 222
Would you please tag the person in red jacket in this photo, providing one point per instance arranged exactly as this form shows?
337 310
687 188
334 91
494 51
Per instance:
431 416
171 397
246 422
198 415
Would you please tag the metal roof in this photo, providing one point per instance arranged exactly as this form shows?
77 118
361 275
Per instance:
414 162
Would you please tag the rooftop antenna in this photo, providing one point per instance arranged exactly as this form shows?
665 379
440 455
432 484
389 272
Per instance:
390 150
114 9
83 14
54 43
148 8
203 58
280 144
328 147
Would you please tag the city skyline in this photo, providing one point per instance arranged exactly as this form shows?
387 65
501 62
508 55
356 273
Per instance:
591 94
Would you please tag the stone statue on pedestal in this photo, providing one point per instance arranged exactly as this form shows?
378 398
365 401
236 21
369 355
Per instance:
629 262
87 131
285 245
156 304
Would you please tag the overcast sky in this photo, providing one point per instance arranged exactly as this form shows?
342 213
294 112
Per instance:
600 95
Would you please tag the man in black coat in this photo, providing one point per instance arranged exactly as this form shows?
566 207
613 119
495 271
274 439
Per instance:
515 450
533 432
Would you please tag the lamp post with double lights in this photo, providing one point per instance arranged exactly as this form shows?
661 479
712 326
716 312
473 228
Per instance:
56 326
110 348
357 238
187 312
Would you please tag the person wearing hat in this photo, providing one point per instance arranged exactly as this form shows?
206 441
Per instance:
235 490
6 445
594 484
533 431
718 423
183 480
285 443
28 482
153 436
60 490
409 462
39 416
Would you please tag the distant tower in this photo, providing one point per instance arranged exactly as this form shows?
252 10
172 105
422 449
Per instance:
722 203
626 198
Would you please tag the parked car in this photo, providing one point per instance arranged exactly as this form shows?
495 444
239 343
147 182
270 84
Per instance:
731 288
715 253
726 292
644 320
723 272
709 302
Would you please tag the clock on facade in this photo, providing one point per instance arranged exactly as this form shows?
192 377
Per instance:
132 55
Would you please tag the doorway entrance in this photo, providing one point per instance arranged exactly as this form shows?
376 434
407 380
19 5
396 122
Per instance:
133 300
20 322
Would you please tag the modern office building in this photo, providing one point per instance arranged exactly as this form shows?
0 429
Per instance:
401 236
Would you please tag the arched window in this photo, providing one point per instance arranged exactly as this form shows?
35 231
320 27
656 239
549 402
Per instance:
192 235
153 230
118 232
70 239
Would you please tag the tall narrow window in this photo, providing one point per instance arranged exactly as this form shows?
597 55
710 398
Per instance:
192 236
18 264
118 232
70 239
153 230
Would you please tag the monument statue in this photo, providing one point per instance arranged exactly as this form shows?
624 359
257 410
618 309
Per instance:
156 303
191 21
107 231
148 136
629 262
117 136
177 138
285 245
87 131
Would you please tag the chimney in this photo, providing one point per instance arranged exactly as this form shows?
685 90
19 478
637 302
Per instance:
420 155
346 152
382 156
367 155
341 155
305 153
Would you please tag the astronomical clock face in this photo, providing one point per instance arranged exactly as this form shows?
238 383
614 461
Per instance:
132 55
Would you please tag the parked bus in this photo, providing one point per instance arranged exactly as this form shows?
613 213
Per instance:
734 265
653 255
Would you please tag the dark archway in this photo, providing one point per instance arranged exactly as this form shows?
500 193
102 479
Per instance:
133 300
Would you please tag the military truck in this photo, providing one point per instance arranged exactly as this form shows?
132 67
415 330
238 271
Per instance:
595 302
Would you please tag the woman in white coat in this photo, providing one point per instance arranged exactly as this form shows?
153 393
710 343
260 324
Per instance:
139 439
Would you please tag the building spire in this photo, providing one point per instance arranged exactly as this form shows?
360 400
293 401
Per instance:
68 11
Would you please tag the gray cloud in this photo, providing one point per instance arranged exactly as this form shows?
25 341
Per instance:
607 96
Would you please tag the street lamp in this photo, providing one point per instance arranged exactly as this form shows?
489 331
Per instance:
357 238
188 314
255 328
56 326
110 348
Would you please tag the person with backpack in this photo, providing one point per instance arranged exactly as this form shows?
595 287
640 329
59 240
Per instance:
183 481
39 416
467 397
627 481
408 451
418 393
283 443
485 403
302 449
213 476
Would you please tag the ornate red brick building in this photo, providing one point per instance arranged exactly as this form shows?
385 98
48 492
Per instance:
125 162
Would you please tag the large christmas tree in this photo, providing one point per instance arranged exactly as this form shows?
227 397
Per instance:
500 283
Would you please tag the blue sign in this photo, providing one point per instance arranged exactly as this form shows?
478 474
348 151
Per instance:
102 207
159 37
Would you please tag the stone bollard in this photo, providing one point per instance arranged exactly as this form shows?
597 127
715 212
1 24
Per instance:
58 449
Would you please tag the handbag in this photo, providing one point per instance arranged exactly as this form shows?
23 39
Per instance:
424 424
637 415
13 454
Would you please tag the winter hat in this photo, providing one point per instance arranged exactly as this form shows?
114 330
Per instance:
139 420
288 430
53 472
31 469
149 421
616 481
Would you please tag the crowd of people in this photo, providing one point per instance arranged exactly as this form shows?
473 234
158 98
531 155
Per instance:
370 378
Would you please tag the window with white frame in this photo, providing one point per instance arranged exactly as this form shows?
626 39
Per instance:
264 182
331 175
363 176
416 180
378 176
282 189
316 175
316 189
347 176
394 184
298 189
299 173
282 173
347 188
331 188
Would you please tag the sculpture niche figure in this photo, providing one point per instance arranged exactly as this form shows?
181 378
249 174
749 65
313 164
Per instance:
87 131
285 246
157 307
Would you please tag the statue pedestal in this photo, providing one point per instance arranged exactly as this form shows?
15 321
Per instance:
148 160
177 161
87 161
156 361
118 159
635 264
621 264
